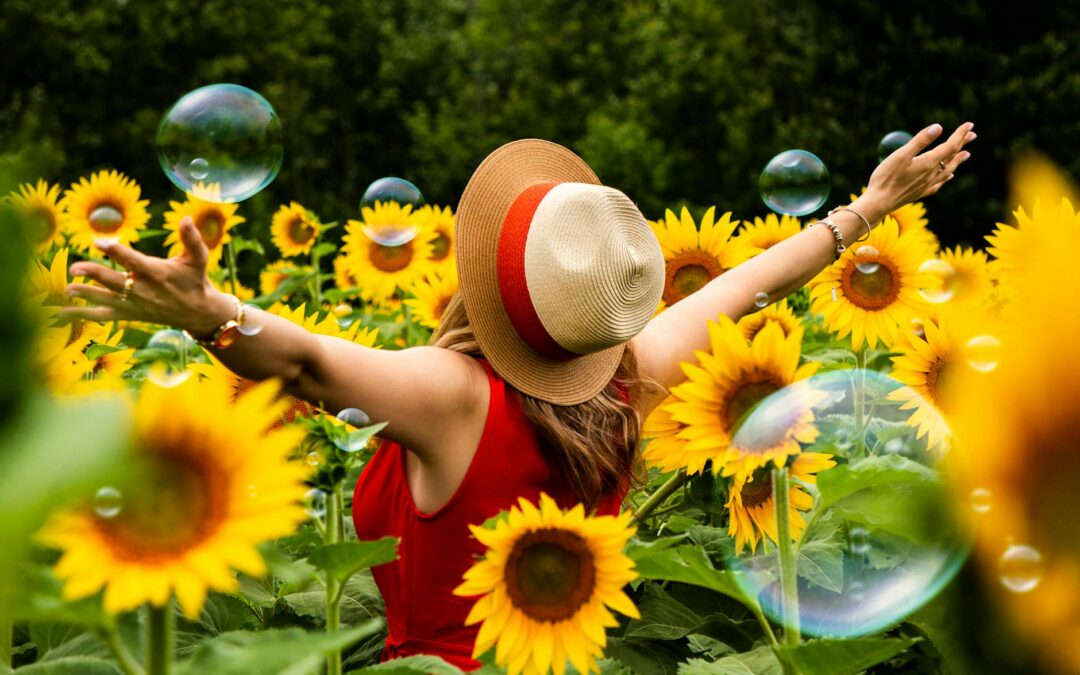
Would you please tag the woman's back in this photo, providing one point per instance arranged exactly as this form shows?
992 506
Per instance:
436 548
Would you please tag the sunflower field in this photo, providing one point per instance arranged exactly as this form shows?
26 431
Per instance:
845 481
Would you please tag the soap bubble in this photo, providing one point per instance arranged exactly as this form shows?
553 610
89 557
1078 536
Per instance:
1020 568
222 142
980 500
253 322
891 142
983 352
885 533
108 502
315 503
387 191
937 281
353 441
795 182
169 351
866 259
761 299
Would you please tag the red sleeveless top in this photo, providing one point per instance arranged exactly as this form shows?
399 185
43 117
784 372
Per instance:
423 616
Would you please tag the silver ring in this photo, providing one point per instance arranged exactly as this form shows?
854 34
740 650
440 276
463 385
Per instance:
941 166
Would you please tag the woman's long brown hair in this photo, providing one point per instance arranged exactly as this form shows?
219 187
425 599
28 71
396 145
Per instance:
594 442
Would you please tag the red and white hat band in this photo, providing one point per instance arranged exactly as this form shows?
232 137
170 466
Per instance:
579 269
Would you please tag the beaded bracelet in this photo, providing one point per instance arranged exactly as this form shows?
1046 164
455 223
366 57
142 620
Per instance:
861 217
837 234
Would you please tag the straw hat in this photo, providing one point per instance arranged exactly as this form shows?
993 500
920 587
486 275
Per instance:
557 272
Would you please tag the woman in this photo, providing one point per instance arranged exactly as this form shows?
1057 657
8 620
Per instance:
534 381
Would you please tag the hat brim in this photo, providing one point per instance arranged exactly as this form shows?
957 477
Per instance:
487 198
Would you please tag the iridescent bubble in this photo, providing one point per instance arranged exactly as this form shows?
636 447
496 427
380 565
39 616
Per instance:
891 142
105 219
383 193
918 327
108 502
349 440
761 299
253 322
169 351
222 142
884 533
937 281
983 352
315 503
252 491
1020 568
795 182
980 500
343 310
314 459
866 259
354 417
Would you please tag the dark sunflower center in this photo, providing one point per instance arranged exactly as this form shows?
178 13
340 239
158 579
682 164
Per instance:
874 291
758 490
742 400
440 307
211 228
440 247
40 225
174 502
550 574
390 259
300 231
687 272
105 218
941 381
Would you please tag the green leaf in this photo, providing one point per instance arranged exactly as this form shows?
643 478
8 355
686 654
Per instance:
847 479
840 657
38 597
645 657
49 635
325 248
75 665
345 559
422 664
689 565
662 617
831 359
760 661
273 651
821 558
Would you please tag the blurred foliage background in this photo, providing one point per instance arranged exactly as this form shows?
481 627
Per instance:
672 101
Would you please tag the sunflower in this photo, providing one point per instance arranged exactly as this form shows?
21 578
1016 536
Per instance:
752 509
343 276
693 258
41 211
1033 177
431 295
970 282
875 293
1018 431
546 583
294 230
769 232
327 325
381 270
277 273
733 378
112 362
213 484
238 386
1012 247
46 288
779 313
243 293
59 358
439 221
212 219
107 206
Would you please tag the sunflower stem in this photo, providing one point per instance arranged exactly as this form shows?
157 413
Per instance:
766 628
657 498
316 291
333 532
5 641
127 663
230 257
859 387
789 587
159 642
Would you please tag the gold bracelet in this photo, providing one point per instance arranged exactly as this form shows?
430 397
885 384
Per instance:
861 217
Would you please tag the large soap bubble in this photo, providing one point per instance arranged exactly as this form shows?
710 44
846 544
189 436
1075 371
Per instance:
883 534
222 142
795 182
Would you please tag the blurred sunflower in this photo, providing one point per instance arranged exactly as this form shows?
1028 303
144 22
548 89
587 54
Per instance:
46 287
60 358
547 582
1018 431
212 484
222 284
769 232
1012 247
105 206
294 230
871 305
779 313
238 386
731 380
114 359
277 273
212 220
327 325
343 276
42 213
693 258
970 282
440 221
431 295
381 270
912 218
752 508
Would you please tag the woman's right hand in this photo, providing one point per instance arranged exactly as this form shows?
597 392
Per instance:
175 292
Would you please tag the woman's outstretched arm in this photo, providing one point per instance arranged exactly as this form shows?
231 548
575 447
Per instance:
906 175
427 395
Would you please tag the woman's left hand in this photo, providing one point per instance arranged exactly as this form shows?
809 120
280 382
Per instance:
906 175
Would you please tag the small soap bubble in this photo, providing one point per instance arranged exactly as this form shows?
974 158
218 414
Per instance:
937 281
106 219
253 322
917 327
343 310
107 502
397 226
315 503
1020 568
221 142
891 142
347 439
314 459
794 182
982 353
354 417
859 540
761 299
866 259
980 500
170 350
833 289
252 491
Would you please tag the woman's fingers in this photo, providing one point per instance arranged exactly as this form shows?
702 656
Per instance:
194 247
95 294
952 146
127 257
922 140
111 279
92 313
